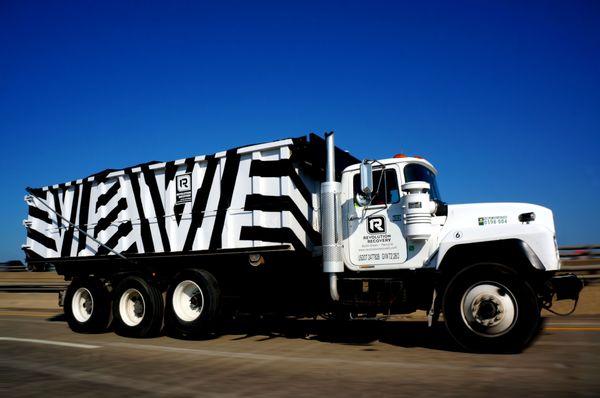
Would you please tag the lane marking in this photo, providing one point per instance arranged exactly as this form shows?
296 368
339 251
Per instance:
47 321
49 342
40 314
567 343
573 329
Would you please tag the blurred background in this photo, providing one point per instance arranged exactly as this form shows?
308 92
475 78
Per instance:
502 97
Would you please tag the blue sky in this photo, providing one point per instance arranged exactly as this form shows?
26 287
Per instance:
503 97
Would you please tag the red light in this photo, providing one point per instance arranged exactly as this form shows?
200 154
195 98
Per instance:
399 156
418 157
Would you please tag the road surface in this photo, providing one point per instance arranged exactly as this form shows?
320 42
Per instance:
39 355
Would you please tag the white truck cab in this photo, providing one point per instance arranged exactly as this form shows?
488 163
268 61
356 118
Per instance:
376 236
379 230
388 239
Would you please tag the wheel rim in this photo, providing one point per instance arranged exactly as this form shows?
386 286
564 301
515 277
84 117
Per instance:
188 301
82 305
489 309
132 307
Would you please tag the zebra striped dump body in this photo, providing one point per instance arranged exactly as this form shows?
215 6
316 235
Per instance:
244 198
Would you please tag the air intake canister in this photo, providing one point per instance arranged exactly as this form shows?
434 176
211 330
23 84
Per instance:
417 208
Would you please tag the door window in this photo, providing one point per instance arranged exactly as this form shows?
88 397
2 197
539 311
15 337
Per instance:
385 186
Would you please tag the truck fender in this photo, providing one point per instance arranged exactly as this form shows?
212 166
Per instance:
514 253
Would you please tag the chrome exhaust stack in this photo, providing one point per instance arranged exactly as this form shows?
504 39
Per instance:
331 220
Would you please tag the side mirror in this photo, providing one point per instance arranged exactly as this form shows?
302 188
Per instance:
366 178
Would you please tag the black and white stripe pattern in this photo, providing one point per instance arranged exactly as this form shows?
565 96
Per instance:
245 197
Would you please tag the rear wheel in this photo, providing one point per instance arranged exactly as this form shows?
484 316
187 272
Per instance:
87 306
491 308
138 308
193 301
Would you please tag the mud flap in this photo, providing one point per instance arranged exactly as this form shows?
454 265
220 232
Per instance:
61 297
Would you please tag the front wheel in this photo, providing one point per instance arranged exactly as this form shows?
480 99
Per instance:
492 309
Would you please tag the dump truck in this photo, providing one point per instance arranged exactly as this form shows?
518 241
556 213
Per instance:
297 227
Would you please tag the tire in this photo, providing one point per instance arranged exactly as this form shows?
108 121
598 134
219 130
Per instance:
87 306
490 308
138 308
193 303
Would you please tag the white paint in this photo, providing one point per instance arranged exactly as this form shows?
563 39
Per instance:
498 322
49 342
460 226
132 307
538 234
185 308
82 305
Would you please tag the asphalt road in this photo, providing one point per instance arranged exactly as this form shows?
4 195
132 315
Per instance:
39 355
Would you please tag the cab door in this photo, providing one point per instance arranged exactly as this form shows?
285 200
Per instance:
373 228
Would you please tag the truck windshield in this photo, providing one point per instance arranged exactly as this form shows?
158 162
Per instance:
418 172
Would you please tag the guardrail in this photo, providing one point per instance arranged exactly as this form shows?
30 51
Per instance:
583 260
13 266
33 288
583 252
580 252
18 266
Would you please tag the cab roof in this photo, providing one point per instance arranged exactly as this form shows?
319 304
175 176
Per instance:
403 160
